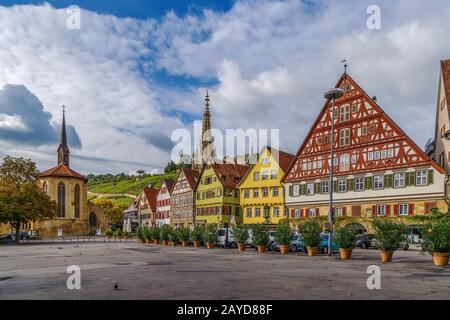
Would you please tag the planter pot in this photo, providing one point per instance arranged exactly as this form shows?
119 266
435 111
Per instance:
174 243
165 242
386 256
440 259
185 243
345 253
241 246
284 248
125 238
141 241
148 241
312 251
196 244
108 237
261 248
210 245
156 241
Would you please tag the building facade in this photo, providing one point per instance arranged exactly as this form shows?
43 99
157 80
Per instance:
163 203
147 207
378 170
182 198
217 195
261 192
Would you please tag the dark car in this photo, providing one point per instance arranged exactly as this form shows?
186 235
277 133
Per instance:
6 239
363 241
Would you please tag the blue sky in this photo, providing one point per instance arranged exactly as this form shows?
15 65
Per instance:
136 71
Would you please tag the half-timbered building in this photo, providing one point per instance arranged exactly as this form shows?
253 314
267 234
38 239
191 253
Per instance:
163 203
378 169
182 197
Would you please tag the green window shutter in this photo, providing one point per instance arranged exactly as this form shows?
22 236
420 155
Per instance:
430 176
291 190
350 184
368 183
317 187
410 178
335 186
390 180
385 181
303 189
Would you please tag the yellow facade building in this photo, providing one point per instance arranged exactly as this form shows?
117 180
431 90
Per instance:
261 191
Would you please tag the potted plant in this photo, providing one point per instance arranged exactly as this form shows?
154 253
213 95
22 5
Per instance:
155 234
197 235
126 235
140 234
165 231
284 235
260 236
389 235
108 233
118 233
241 236
173 237
147 235
436 235
210 235
310 230
346 239
184 234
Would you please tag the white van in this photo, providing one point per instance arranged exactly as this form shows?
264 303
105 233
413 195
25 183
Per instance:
220 241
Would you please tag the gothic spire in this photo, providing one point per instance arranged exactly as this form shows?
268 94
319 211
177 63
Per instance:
63 149
206 115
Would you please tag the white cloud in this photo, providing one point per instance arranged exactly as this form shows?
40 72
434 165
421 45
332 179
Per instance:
12 122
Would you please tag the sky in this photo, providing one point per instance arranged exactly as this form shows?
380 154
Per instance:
136 71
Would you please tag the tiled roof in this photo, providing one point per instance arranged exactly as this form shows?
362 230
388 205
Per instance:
445 65
285 159
191 176
62 171
151 194
230 174
169 184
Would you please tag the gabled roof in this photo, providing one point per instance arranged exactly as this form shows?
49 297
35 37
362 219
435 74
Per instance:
191 176
229 175
62 171
169 184
284 160
445 69
151 194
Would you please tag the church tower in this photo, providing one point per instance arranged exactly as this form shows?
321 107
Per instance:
206 152
63 149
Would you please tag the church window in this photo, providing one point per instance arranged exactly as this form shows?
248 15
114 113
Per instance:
77 201
61 200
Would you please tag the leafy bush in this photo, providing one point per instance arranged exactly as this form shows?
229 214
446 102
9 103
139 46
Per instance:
108 232
436 235
173 235
126 234
310 230
198 233
211 233
147 234
165 232
389 233
260 234
284 233
140 233
346 236
118 233
183 233
155 233
240 233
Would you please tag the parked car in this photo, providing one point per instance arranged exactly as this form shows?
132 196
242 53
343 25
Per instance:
323 246
5 239
220 240
364 240
403 245
272 245
297 244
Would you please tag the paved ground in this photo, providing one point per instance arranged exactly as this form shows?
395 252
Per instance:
156 272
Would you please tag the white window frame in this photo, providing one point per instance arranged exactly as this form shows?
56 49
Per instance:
381 210
359 184
256 191
403 209
397 180
338 212
325 187
370 156
276 212
297 213
423 179
342 185
248 212
344 162
247 194
257 212
344 113
312 212
256 176
296 190
344 137
310 189
277 193
266 194
378 182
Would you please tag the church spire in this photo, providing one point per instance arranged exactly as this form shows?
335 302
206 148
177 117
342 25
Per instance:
63 149
206 118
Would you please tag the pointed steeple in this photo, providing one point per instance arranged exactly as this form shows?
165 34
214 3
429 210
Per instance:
63 149
206 121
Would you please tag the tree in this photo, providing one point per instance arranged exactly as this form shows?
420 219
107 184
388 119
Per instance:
21 198
114 217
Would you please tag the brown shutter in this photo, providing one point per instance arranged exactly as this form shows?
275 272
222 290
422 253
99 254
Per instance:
388 210
292 213
374 211
395 209
411 209
344 211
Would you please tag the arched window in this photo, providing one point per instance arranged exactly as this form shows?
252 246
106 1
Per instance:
77 201
92 220
61 200
45 187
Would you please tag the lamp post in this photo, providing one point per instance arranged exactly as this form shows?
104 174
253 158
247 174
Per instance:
332 94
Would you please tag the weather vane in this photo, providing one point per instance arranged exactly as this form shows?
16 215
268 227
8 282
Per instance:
345 65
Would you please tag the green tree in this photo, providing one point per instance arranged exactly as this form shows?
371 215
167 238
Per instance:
21 198
114 217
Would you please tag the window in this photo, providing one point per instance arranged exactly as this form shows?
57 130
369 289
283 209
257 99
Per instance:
383 154
255 176
310 189
403 209
248 212
335 162
297 213
359 184
354 158
296 190
354 108
381 210
45 187
286 212
345 113
312 212
342 185
265 192
255 193
275 192
364 130
399 180
421 178
273 174
344 137
257 212
370 156
77 201
264 175
338 212
325 187
376 155
378 182
345 162
265 160
326 140
390 153
61 200
276 212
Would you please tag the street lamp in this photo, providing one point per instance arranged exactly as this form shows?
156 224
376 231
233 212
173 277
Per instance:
332 94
